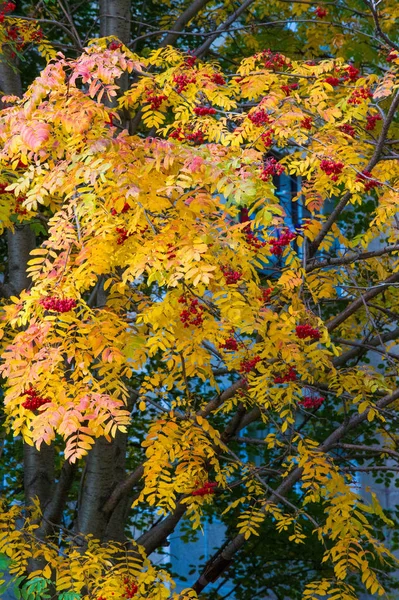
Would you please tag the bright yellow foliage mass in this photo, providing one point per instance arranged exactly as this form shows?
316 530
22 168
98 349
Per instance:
186 234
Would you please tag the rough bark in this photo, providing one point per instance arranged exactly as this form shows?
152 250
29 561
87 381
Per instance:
10 81
104 470
115 20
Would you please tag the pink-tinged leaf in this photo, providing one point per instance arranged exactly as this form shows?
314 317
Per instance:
35 136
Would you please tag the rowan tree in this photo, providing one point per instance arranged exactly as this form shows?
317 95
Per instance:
160 300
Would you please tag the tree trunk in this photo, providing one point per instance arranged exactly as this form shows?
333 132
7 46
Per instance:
105 463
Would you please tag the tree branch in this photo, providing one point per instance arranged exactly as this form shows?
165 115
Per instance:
223 28
356 304
351 258
313 247
190 12
222 560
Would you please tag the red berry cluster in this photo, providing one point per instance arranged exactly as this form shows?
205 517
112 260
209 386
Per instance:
351 73
267 137
125 208
371 121
253 241
6 8
177 134
359 95
154 100
37 35
288 88
273 60
278 244
249 365
332 168
34 401
193 314
197 137
260 117
3 188
190 61
392 56
271 167
209 487
366 178
266 293
307 123
348 129
114 45
20 35
182 81
59 305
201 111
334 81
230 275
311 402
130 588
19 209
217 78
122 235
321 12
307 331
229 344
244 215
288 376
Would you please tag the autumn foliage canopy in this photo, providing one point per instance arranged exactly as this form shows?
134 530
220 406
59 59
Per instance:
172 288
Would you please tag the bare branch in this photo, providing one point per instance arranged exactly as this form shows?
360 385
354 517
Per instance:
221 560
351 258
223 28
313 247
190 12
356 304
378 28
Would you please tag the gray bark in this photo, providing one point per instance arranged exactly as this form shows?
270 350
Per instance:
115 19
39 474
10 81
104 470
